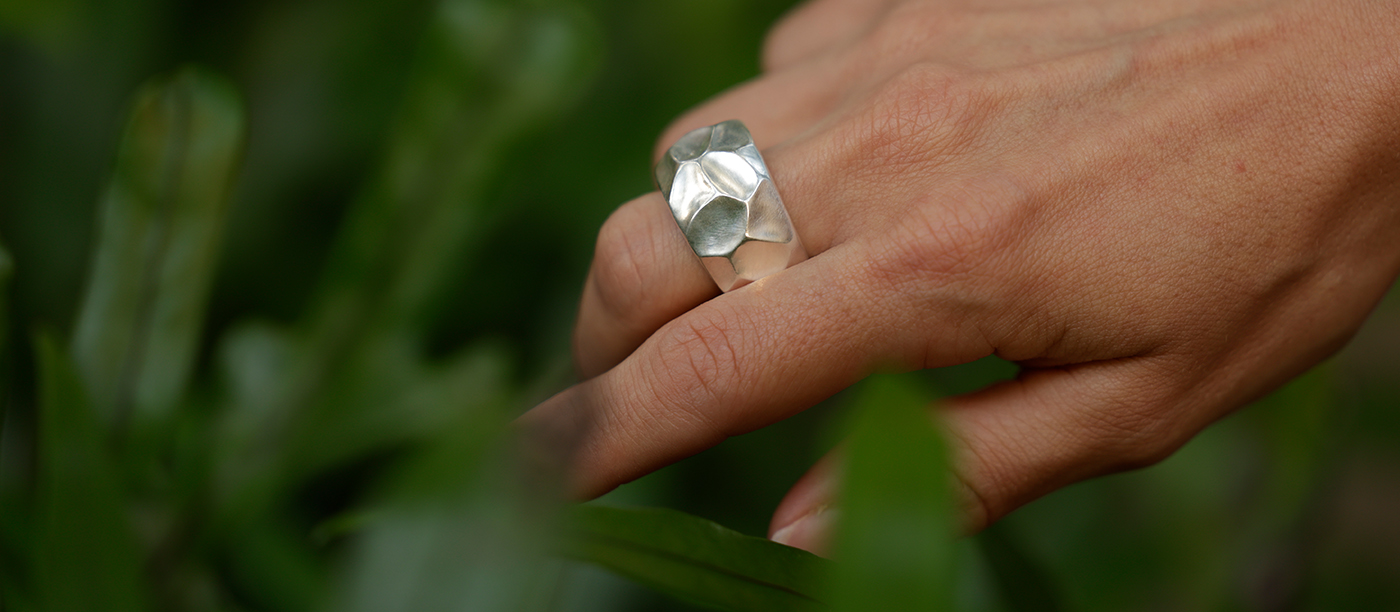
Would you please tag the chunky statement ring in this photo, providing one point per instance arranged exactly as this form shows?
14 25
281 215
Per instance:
725 203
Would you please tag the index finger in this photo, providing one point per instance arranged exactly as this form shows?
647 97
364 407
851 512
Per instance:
739 362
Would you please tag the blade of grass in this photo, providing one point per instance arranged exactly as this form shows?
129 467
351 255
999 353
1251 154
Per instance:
158 238
895 537
86 554
696 560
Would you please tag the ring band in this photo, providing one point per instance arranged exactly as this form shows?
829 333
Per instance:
725 203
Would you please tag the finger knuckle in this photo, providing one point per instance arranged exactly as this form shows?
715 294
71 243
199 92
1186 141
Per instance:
953 237
985 479
926 113
699 360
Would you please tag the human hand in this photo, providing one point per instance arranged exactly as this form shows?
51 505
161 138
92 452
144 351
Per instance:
1161 211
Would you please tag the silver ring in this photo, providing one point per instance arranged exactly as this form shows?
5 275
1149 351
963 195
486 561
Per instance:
725 203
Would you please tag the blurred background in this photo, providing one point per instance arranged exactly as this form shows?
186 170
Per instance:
1291 504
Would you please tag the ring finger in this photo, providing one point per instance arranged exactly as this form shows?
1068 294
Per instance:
644 273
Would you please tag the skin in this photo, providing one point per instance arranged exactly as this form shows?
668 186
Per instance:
1160 210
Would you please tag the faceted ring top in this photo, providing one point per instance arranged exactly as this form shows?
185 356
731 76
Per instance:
725 203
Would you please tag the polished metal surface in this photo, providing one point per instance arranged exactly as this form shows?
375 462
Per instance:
725 203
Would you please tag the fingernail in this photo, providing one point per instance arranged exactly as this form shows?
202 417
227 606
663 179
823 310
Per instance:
810 531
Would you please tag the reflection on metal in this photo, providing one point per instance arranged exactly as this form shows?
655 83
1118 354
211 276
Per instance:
725 203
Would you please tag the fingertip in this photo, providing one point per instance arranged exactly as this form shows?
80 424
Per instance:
810 532
807 514
816 487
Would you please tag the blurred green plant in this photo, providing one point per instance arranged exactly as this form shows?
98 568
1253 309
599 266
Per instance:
81 522
896 529
159 233
172 500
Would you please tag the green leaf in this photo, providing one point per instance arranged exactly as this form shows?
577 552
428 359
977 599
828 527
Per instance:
895 537
157 247
407 408
489 73
695 559
445 558
86 554
459 527
1022 581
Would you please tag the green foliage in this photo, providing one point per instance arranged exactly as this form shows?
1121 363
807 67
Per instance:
696 560
82 522
896 532
489 72
211 479
161 220
454 531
